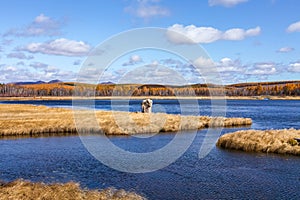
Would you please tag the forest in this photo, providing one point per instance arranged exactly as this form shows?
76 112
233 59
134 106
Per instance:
282 88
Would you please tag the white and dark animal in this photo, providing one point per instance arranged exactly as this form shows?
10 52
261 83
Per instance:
147 106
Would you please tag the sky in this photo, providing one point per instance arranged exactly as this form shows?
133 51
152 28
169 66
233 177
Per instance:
246 40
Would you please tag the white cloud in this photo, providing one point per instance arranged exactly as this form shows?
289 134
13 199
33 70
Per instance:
191 34
240 34
38 65
154 63
20 73
232 71
134 59
60 46
171 61
234 34
42 19
229 65
19 55
41 26
226 3
262 69
147 9
253 32
153 74
226 70
51 69
294 67
285 49
150 11
203 62
295 27
10 69
12 73
206 68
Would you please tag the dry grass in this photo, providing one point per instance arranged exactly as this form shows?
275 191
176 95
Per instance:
269 141
24 190
37 120
34 120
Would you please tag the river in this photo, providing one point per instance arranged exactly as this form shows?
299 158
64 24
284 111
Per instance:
222 174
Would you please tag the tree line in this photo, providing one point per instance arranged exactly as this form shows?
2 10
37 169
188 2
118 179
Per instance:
68 89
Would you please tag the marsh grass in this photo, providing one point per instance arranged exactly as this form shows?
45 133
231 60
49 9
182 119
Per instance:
38 120
269 141
24 190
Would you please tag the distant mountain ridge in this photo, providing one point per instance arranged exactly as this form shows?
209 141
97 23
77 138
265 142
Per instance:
36 82
107 83
235 85
55 81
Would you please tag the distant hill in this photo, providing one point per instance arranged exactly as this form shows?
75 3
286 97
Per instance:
107 83
29 83
36 82
55 81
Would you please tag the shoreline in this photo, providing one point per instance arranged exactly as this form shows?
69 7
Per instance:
46 98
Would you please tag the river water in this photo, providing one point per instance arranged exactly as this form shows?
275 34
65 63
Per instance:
222 174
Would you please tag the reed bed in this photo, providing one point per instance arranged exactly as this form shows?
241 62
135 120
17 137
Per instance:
25 190
269 141
34 120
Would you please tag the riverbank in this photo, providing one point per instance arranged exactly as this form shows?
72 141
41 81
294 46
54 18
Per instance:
25 190
21 119
268 141
46 98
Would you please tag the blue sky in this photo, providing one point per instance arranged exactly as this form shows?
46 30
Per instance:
248 40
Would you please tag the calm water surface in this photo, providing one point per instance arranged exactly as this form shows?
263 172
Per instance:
223 174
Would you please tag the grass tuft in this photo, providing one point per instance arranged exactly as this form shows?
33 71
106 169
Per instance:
269 141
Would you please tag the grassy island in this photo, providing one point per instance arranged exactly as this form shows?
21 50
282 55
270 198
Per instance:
269 141
19 119
25 190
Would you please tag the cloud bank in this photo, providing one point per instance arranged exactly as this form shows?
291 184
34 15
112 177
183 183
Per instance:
62 46
295 27
180 34
134 59
42 25
226 3
147 9
285 50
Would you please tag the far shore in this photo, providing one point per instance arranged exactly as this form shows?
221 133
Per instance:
151 97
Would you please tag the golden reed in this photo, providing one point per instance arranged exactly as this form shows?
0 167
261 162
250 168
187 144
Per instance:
269 141
34 120
25 190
